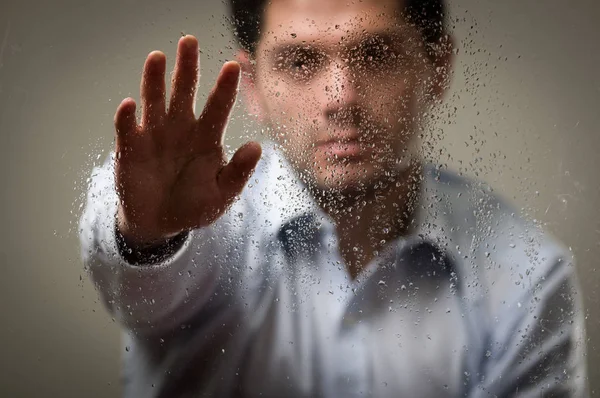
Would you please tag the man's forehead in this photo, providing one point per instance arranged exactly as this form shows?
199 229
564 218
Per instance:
311 19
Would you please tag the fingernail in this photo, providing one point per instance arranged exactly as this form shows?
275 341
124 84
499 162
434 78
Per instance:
232 77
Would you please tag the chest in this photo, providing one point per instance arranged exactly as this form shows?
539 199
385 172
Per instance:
399 332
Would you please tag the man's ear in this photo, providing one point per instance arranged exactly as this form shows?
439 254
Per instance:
443 64
248 85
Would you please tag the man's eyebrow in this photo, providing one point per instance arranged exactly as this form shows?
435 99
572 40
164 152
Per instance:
383 36
290 48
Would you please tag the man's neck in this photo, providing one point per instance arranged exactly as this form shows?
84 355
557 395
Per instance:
365 221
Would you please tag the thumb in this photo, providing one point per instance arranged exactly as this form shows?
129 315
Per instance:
235 174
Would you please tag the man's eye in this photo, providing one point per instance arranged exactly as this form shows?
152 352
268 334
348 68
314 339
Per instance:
300 64
377 53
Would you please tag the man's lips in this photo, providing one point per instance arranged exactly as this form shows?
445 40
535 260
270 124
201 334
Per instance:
341 149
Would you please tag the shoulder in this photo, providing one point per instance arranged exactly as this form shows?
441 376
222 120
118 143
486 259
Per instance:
495 246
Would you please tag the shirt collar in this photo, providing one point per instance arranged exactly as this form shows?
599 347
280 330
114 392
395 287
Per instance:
298 222
289 199
433 212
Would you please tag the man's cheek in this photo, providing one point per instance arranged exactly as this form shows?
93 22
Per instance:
295 141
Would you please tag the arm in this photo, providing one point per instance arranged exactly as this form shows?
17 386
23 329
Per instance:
151 296
537 344
169 175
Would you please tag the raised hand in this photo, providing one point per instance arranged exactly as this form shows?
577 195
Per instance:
171 173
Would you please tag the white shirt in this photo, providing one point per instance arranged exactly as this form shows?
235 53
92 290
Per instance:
478 302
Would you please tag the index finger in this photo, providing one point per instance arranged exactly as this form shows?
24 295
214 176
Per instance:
220 101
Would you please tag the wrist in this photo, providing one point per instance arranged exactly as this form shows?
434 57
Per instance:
139 238
150 252
140 247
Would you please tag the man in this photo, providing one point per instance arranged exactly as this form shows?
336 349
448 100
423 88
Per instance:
331 261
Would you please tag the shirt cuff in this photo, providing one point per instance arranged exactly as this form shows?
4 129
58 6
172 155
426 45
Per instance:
150 255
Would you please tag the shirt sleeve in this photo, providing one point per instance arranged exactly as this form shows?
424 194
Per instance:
537 344
154 297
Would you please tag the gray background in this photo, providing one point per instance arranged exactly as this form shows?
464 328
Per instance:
527 98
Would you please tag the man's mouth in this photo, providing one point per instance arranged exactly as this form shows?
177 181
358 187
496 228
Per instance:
341 149
341 144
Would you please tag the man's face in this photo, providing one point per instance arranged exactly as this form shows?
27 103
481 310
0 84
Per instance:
343 86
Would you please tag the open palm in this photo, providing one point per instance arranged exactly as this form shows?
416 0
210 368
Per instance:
171 172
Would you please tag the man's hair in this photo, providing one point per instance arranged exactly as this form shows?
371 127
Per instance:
429 16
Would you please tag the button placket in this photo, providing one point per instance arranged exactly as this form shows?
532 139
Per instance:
352 369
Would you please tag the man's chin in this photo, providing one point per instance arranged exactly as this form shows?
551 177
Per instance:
364 178
347 182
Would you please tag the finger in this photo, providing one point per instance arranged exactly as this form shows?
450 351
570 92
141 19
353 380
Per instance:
185 78
234 176
130 140
221 99
152 90
125 124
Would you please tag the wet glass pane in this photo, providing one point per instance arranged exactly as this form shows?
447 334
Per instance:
299 198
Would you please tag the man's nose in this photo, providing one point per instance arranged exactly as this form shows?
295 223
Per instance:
340 87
